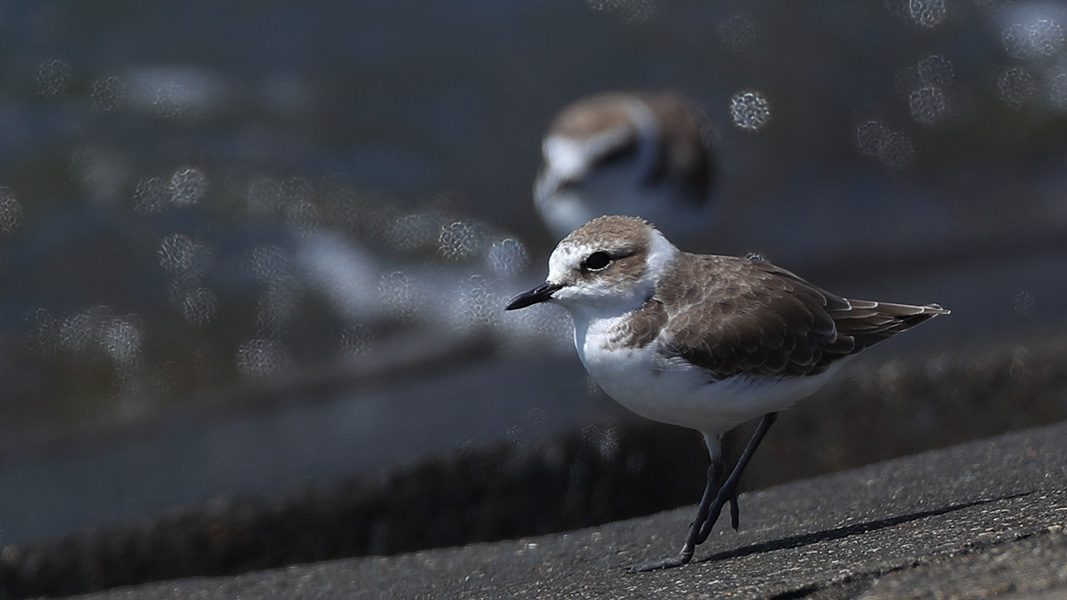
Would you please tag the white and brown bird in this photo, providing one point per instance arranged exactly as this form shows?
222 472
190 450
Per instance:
643 154
705 342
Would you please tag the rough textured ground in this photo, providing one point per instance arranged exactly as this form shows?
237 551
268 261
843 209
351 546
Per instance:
982 519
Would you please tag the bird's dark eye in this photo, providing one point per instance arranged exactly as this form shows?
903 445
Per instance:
596 261
618 154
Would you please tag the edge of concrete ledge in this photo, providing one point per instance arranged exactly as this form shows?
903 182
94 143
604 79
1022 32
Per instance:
982 519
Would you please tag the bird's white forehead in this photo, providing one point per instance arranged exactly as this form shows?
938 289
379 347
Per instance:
572 156
565 258
566 156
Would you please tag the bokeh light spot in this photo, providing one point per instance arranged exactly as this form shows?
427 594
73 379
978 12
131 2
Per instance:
179 254
1015 86
1046 37
631 11
150 196
1057 90
928 105
197 303
875 138
870 135
187 187
261 358
458 240
121 339
935 70
750 110
896 151
10 211
52 77
477 306
507 257
1035 39
1023 304
927 13
356 341
106 95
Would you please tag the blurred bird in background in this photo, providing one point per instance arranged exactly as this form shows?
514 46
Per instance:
644 154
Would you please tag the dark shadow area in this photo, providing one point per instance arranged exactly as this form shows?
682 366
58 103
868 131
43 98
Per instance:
848 530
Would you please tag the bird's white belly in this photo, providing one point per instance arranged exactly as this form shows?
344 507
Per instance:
676 392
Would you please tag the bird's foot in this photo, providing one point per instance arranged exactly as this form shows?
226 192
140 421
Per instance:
727 495
677 560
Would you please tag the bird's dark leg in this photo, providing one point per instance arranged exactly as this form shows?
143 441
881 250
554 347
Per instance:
715 475
716 494
728 491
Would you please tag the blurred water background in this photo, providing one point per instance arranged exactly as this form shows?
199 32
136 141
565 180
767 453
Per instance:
245 245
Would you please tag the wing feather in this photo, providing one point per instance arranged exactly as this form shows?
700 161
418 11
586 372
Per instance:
736 316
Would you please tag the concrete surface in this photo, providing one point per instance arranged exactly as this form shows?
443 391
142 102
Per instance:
982 519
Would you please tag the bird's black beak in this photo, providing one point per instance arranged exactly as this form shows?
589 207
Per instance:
537 295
